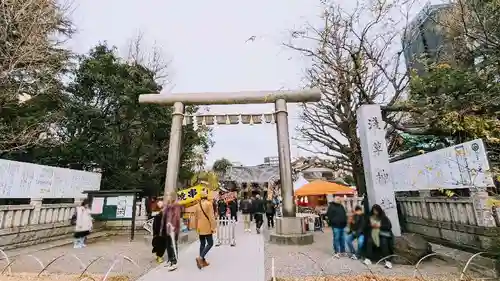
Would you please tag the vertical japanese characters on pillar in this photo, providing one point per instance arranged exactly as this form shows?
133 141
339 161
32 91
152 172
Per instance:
379 184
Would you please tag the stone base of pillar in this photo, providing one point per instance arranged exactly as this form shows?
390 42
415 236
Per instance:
291 231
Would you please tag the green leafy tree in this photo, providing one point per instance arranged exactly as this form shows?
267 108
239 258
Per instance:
221 166
105 128
458 99
31 64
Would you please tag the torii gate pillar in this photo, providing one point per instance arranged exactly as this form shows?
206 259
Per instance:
289 225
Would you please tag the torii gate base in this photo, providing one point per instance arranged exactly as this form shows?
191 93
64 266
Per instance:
289 229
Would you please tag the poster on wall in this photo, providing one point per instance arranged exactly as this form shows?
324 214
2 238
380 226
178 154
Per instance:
26 180
124 206
97 205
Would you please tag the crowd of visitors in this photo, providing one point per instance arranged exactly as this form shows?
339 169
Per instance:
366 236
372 233
166 223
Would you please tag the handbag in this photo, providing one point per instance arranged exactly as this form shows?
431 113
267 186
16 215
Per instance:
206 216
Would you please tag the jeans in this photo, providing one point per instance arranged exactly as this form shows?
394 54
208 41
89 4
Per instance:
338 240
206 243
350 243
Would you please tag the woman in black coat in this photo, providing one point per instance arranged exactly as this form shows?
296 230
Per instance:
159 242
378 236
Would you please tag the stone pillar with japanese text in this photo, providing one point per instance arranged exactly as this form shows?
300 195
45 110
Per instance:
379 186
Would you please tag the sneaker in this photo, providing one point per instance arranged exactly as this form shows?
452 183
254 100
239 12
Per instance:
159 260
336 255
367 262
172 267
354 257
258 231
388 264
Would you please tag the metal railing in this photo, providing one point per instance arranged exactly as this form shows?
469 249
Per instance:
225 233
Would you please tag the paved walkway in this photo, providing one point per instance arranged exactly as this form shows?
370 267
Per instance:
226 262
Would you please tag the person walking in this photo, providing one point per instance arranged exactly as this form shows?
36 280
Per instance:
355 232
379 237
171 225
205 226
233 209
159 242
259 208
270 213
83 224
246 210
337 219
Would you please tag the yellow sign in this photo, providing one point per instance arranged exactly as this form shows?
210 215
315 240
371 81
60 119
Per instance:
492 202
190 195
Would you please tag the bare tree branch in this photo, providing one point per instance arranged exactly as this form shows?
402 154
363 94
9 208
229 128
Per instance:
355 60
153 58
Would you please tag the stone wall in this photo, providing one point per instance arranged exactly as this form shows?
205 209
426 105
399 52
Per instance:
448 221
34 223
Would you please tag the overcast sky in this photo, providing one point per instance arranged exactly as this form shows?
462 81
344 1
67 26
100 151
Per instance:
206 42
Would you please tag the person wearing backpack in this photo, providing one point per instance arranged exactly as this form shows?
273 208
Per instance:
246 211
205 226
270 213
83 223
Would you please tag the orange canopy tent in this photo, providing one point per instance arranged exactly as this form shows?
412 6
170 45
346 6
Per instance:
319 187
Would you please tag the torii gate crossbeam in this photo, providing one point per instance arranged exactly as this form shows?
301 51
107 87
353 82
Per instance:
280 100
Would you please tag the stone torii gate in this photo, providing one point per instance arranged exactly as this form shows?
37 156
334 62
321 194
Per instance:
289 224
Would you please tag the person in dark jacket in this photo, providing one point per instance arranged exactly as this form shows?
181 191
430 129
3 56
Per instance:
252 198
270 213
259 208
337 219
246 210
222 209
159 242
233 209
379 236
355 232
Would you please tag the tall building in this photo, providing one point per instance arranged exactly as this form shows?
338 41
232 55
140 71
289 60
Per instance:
424 39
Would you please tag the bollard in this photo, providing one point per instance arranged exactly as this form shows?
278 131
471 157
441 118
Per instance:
225 234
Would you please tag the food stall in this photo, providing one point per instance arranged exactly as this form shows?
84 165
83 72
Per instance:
313 195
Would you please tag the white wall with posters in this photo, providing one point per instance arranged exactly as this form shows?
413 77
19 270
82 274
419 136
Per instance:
460 166
26 180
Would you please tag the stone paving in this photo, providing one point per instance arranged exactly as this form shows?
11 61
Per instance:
252 256
317 260
244 262
103 252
